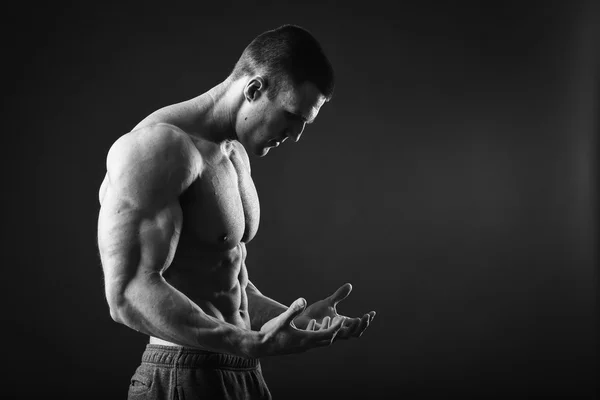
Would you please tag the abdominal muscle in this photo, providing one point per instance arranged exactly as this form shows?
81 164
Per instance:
212 278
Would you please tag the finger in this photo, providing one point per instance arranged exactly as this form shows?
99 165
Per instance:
294 310
340 294
341 318
343 334
372 315
326 334
327 337
326 323
364 324
336 325
356 327
349 327
311 325
352 325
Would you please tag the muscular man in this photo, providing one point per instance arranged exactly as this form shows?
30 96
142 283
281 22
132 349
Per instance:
178 207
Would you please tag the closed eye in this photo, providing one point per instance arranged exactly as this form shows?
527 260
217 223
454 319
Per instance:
297 117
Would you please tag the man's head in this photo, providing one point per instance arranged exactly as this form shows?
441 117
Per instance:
287 78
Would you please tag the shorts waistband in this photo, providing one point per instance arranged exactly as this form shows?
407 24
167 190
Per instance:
185 357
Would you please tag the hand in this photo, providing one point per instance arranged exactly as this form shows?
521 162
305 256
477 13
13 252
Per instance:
279 336
321 313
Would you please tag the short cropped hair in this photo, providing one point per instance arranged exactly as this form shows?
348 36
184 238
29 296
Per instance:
288 54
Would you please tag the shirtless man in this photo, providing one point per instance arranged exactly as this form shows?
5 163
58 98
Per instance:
178 207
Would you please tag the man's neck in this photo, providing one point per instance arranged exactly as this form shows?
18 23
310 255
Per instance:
218 109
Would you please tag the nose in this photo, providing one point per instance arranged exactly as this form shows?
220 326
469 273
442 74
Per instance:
296 131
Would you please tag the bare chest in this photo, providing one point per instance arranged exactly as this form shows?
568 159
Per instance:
221 208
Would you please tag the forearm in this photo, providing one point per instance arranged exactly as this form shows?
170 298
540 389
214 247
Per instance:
261 307
152 306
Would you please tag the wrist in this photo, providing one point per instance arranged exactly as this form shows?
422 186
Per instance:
252 344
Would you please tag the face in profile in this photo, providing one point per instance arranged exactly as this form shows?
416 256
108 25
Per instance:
270 122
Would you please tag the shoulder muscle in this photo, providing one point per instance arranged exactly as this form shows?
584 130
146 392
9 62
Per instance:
152 166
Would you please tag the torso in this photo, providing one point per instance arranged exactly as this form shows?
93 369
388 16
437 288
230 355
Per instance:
221 214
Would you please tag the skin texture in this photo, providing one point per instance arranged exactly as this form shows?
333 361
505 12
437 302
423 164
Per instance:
178 207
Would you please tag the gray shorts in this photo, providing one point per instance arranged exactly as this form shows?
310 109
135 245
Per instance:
184 374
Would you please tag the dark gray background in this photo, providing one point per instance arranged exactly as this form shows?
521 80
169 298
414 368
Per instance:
451 180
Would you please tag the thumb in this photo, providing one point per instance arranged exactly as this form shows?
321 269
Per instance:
296 308
340 294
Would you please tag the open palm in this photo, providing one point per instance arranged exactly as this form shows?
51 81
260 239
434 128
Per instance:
322 313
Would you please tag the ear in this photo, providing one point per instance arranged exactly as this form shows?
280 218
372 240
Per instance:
254 88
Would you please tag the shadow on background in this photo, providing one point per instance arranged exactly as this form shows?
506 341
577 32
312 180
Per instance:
450 180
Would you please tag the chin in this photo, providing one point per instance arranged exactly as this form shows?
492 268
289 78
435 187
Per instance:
263 152
260 150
